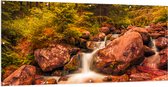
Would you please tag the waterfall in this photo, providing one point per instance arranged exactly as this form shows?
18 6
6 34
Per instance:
115 35
87 75
87 57
153 60
154 45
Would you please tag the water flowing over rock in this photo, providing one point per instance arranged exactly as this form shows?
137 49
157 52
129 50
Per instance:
152 61
148 51
22 76
116 57
52 57
91 45
161 42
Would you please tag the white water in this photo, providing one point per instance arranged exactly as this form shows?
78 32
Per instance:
115 35
87 57
153 60
87 75
154 45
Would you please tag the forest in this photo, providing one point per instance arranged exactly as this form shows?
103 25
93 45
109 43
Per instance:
33 31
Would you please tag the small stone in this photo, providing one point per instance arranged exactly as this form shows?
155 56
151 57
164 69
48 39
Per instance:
51 81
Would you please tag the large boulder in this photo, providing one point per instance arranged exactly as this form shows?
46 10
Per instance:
52 57
121 53
161 42
22 76
144 33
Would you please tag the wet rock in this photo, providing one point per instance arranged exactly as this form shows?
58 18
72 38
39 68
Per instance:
122 78
85 34
152 61
110 37
52 57
140 77
22 76
155 72
51 81
73 64
105 30
156 35
159 78
63 78
89 80
57 73
161 42
137 29
98 37
157 27
132 70
39 71
148 51
163 58
74 50
146 38
82 43
91 45
120 54
8 71
144 33
117 31
39 80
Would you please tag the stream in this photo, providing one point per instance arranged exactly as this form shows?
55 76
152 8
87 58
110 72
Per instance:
86 75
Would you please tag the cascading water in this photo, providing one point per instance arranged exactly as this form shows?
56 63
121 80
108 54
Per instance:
115 35
154 60
87 57
87 75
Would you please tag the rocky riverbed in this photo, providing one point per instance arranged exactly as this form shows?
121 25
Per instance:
131 54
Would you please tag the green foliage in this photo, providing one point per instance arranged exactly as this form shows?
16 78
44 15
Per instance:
145 15
72 32
10 57
119 15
